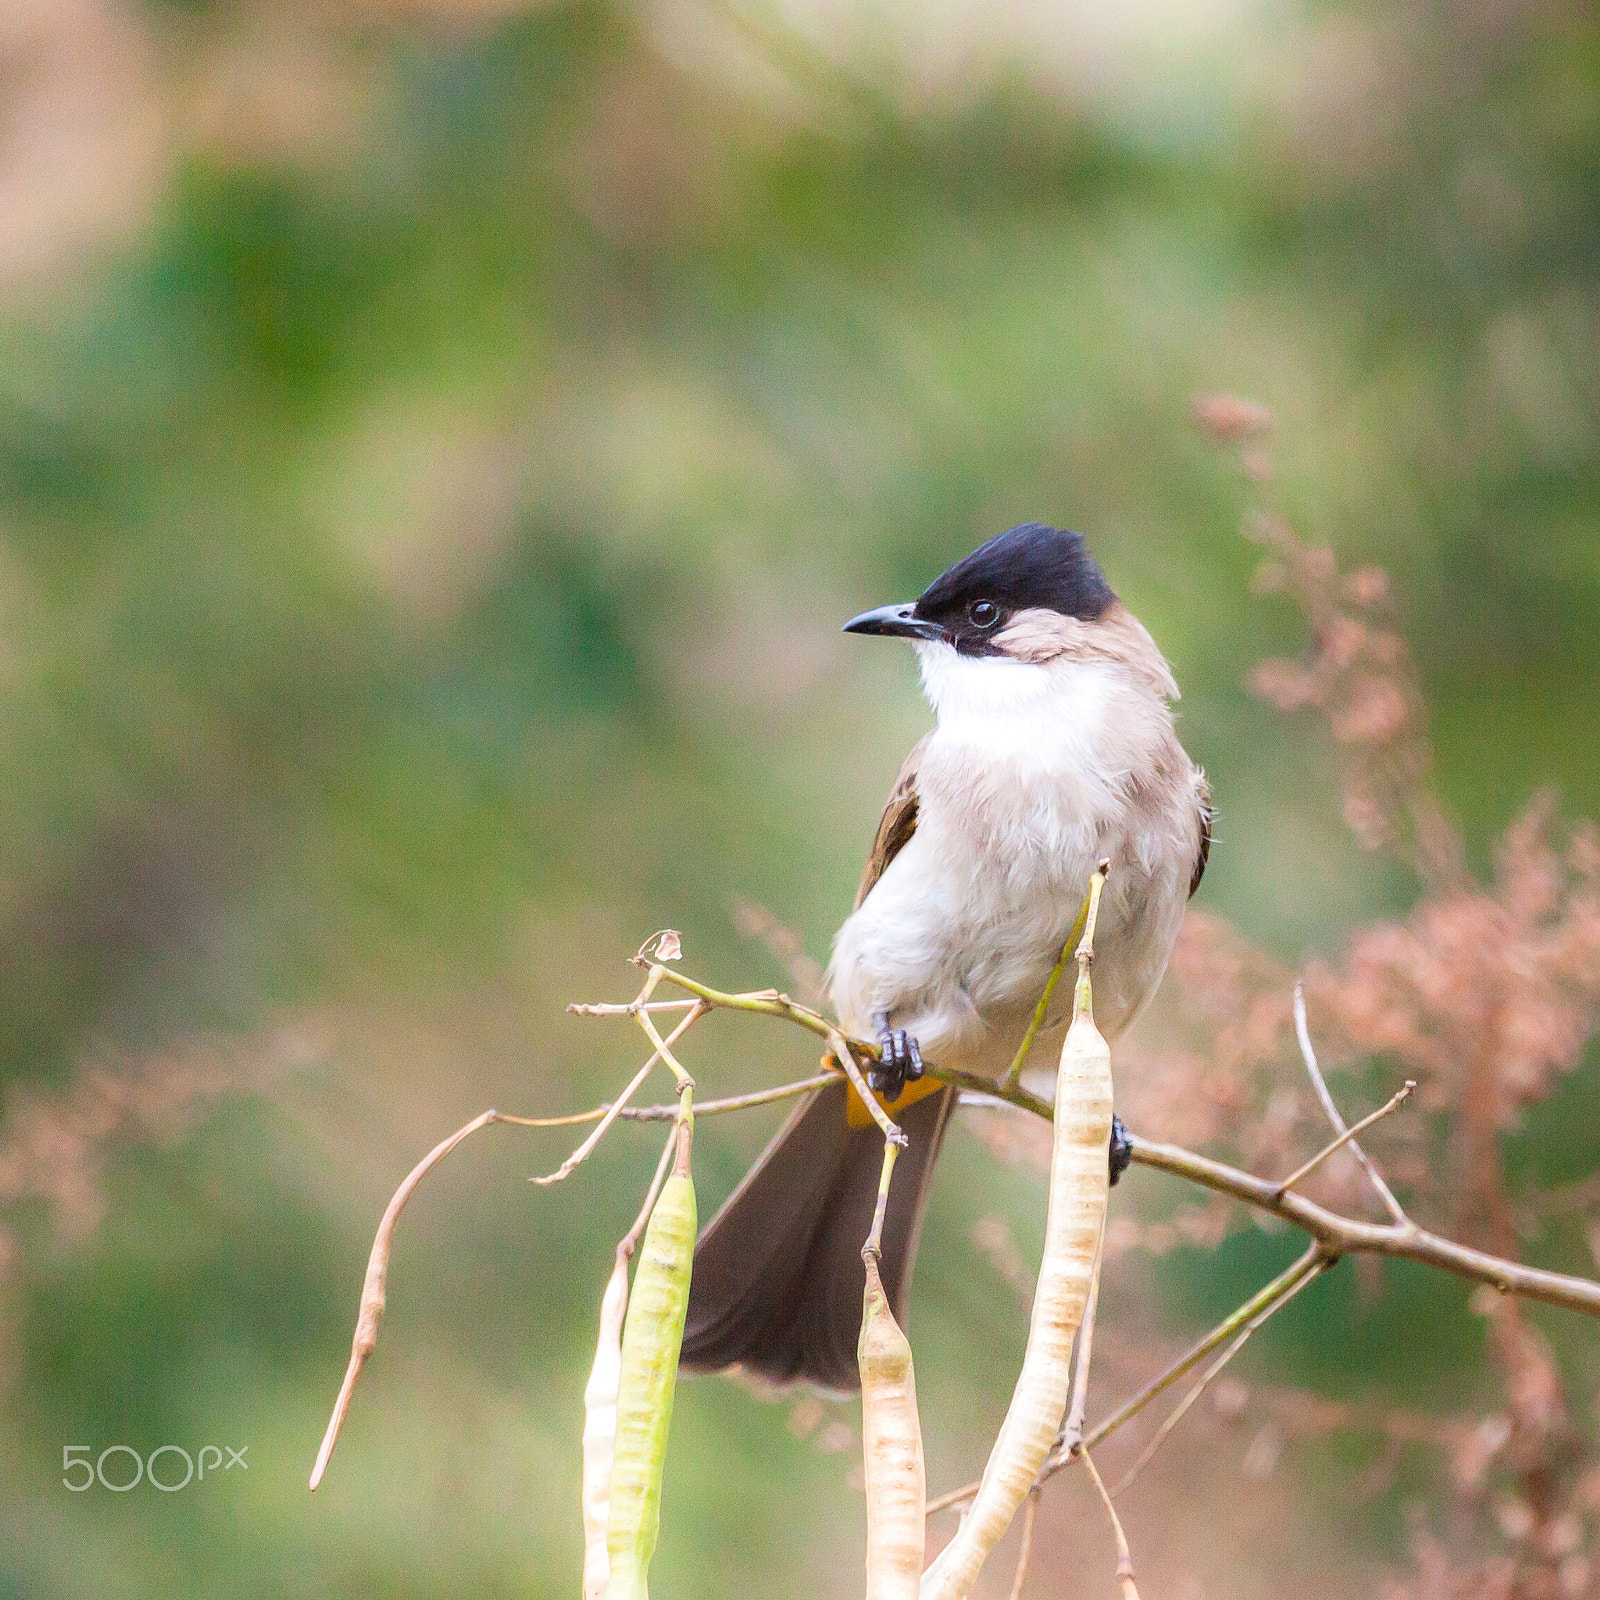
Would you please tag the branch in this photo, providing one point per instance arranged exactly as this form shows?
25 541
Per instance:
1036 1022
764 1002
1347 1136
733 1102
662 1052
1074 1441
1302 1032
1263 1302
1125 1573
1239 1340
1025 1554
1341 1236
373 1289
1337 1235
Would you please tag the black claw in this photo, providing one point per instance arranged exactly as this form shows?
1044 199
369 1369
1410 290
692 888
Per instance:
1121 1149
901 1060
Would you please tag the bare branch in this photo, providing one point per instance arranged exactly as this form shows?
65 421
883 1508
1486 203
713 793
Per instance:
1271 1309
1072 1444
766 1002
1349 1236
1025 1554
873 1247
736 1102
625 1245
1285 1284
571 1119
1124 1555
373 1288
663 1046
662 1051
632 1008
1036 1022
1337 1235
1394 1103
1319 1083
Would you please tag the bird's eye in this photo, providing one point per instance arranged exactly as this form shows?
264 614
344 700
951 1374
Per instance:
983 613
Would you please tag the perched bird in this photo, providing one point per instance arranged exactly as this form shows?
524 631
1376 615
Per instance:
1054 749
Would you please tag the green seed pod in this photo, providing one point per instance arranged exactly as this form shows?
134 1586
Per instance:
651 1340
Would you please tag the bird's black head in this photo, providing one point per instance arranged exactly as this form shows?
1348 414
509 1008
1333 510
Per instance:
1027 568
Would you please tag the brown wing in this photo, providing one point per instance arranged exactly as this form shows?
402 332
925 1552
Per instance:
898 824
1203 797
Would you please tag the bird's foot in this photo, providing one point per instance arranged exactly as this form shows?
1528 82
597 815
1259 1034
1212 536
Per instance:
899 1064
1121 1149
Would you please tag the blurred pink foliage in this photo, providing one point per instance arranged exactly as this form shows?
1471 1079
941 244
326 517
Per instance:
56 1144
1486 994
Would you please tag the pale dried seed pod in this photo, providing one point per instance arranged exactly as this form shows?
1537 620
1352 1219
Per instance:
600 1430
891 1449
1077 1208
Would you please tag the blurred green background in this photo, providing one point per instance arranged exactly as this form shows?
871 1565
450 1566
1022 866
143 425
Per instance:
438 447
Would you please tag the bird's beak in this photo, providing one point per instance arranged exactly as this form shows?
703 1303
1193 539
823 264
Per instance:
899 622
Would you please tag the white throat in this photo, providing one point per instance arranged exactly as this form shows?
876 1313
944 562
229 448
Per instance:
1034 715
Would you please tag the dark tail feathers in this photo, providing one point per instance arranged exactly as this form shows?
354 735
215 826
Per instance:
778 1277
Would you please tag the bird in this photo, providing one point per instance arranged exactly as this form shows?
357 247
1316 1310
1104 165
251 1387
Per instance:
1054 748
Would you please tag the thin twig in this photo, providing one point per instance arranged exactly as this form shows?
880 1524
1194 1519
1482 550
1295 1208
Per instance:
1071 1445
571 1119
1014 1071
632 1008
1394 1103
1180 1410
1332 1236
1025 1554
664 1046
373 1291
651 1195
874 1245
1091 915
1283 1285
970 1083
373 1287
661 1052
737 1102
1130 1590
765 1002
1319 1083
667 1113
841 1054
1339 1235
958 1497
